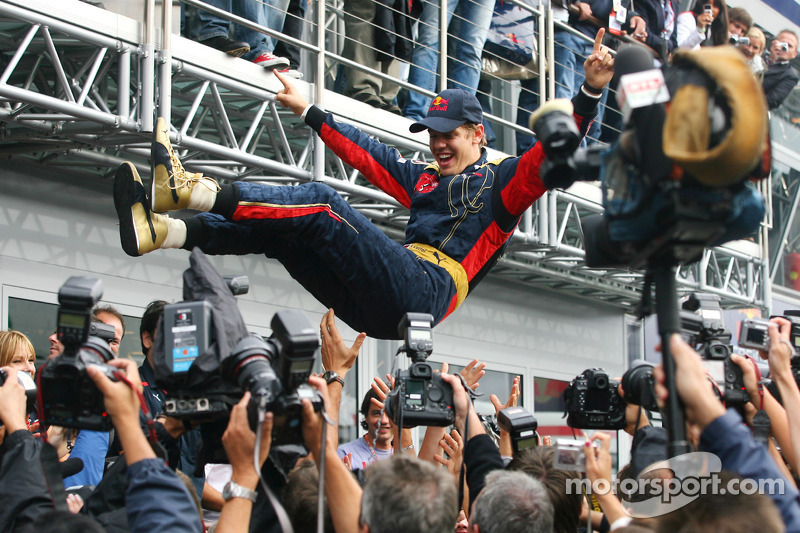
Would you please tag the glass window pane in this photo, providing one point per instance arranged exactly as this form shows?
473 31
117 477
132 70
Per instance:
37 320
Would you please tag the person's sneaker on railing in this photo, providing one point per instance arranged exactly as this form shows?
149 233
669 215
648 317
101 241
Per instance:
239 41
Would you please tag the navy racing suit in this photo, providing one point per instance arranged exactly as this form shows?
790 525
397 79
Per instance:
457 230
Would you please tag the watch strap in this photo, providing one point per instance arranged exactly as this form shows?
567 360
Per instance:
234 490
331 376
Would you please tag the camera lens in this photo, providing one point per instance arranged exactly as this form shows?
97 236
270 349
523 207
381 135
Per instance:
249 366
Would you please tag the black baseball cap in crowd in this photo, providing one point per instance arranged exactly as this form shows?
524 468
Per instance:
450 109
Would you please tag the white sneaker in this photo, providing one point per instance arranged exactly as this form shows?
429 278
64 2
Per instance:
268 60
292 73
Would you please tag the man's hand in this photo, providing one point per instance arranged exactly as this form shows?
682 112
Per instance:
780 347
513 398
240 444
638 27
289 96
12 402
336 356
750 380
635 416
453 446
121 400
313 421
700 404
585 10
599 66
472 373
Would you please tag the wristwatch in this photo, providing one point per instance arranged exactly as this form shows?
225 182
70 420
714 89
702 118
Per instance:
331 376
234 490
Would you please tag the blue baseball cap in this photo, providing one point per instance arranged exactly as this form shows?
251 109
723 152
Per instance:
450 109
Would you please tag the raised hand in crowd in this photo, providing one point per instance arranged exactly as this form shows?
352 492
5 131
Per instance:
337 360
472 373
506 449
780 369
341 488
598 470
453 446
240 444
13 403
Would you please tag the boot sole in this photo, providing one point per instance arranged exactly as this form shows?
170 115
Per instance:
124 193
162 160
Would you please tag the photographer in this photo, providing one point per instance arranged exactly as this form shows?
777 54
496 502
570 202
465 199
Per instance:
155 499
780 77
23 488
722 432
779 358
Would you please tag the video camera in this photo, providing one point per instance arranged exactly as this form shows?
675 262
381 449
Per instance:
592 401
702 328
675 181
69 396
205 357
420 397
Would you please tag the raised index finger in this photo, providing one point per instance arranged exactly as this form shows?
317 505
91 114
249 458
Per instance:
598 40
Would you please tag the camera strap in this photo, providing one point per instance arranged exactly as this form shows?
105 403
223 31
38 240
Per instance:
471 395
52 477
761 426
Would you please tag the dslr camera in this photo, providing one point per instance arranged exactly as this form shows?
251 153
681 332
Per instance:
276 373
420 397
69 396
592 401
702 327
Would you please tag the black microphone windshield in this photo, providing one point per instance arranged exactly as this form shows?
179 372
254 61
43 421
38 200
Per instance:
631 59
71 466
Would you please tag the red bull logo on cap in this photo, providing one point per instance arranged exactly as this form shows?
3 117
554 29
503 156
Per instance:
438 104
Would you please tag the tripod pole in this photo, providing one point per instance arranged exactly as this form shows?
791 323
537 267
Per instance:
669 323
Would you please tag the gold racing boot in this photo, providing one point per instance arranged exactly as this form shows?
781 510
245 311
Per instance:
173 187
140 230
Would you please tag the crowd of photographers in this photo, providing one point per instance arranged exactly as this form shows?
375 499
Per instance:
147 474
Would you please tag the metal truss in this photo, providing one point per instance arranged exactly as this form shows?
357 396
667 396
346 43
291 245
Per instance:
83 100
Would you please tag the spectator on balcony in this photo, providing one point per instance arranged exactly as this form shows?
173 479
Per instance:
571 50
701 26
377 36
246 43
468 24
661 17
752 50
780 78
293 26
739 22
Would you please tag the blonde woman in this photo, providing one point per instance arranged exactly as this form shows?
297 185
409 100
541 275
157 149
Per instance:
16 351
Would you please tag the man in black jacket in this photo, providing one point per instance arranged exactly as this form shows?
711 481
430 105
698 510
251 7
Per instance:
780 78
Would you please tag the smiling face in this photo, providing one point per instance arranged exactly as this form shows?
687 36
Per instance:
379 428
455 150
